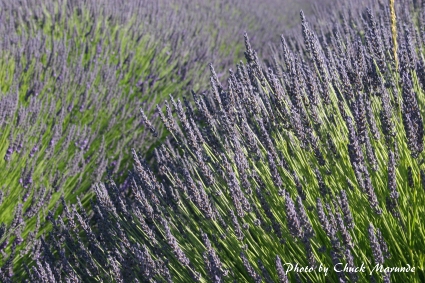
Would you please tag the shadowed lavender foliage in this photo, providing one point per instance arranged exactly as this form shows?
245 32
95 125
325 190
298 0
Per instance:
310 158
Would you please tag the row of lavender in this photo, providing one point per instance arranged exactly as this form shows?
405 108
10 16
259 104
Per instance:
73 77
315 158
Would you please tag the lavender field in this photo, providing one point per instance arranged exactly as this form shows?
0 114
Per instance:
212 141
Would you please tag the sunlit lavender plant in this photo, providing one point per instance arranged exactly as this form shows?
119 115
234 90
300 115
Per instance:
312 158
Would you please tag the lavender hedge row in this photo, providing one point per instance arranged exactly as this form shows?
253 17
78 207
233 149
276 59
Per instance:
74 75
314 157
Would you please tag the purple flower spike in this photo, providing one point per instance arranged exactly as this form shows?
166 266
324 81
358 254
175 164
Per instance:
8 154
33 151
3 245
19 148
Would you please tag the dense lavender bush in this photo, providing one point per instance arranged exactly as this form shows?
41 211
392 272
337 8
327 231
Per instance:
314 158
74 75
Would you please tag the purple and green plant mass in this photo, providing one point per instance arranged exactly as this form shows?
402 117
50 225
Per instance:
212 141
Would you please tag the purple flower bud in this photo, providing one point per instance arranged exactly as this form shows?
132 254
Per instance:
19 148
376 247
25 197
99 48
392 184
4 245
8 153
251 271
292 217
324 221
348 218
18 240
84 143
33 151
280 271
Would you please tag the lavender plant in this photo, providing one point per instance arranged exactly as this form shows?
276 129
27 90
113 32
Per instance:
313 158
74 77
